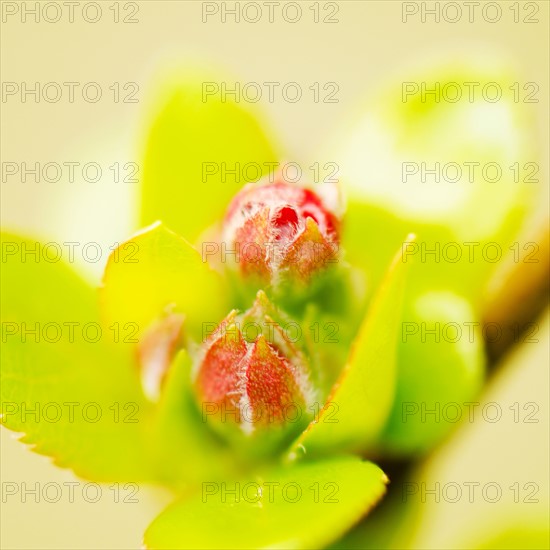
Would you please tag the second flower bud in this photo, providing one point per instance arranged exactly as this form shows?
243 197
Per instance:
254 382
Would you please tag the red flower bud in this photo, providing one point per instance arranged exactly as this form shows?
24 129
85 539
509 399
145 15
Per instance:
281 231
251 374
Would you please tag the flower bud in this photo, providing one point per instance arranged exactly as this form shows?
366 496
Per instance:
280 232
156 350
251 375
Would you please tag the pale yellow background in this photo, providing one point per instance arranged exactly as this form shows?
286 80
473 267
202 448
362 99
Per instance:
368 45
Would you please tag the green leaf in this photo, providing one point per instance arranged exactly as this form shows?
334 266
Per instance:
518 537
401 133
361 399
188 452
156 271
443 368
72 394
398 154
335 494
193 141
32 282
433 256
79 405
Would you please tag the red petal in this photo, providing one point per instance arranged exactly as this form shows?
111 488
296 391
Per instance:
272 390
219 375
309 253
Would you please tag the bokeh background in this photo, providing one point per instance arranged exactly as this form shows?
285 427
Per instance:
369 46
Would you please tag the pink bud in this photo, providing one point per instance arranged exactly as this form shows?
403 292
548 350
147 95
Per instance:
156 351
251 374
280 231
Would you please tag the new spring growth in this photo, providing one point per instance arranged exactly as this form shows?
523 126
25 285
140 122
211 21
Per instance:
257 380
156 351
281 232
